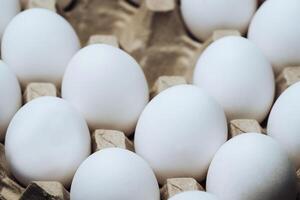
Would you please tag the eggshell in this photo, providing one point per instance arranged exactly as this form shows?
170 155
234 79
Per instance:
238 76
8 9
46 141
113 174
179 132
107 86
275 29
202 17
251 166
10 95
38 44
194 195
284 122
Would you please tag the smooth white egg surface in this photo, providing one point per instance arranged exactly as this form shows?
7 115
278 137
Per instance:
46 140
8 9
252 166
194 195
202 17
38 44
284 122
236 73
275 29
179 132
107 86
11 97
113 174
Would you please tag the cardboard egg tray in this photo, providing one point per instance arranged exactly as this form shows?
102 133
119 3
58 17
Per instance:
154 34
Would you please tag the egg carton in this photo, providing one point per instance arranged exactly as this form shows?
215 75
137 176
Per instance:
153 32
101 139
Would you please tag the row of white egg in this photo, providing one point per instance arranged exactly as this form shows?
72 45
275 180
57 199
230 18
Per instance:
167 134
273 28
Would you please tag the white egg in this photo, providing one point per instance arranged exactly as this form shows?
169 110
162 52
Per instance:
252 166
38 44
11 97
275 29
202 17
107 86
113 174
194 195
238 76
179 132
46 141
8 9
284 122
